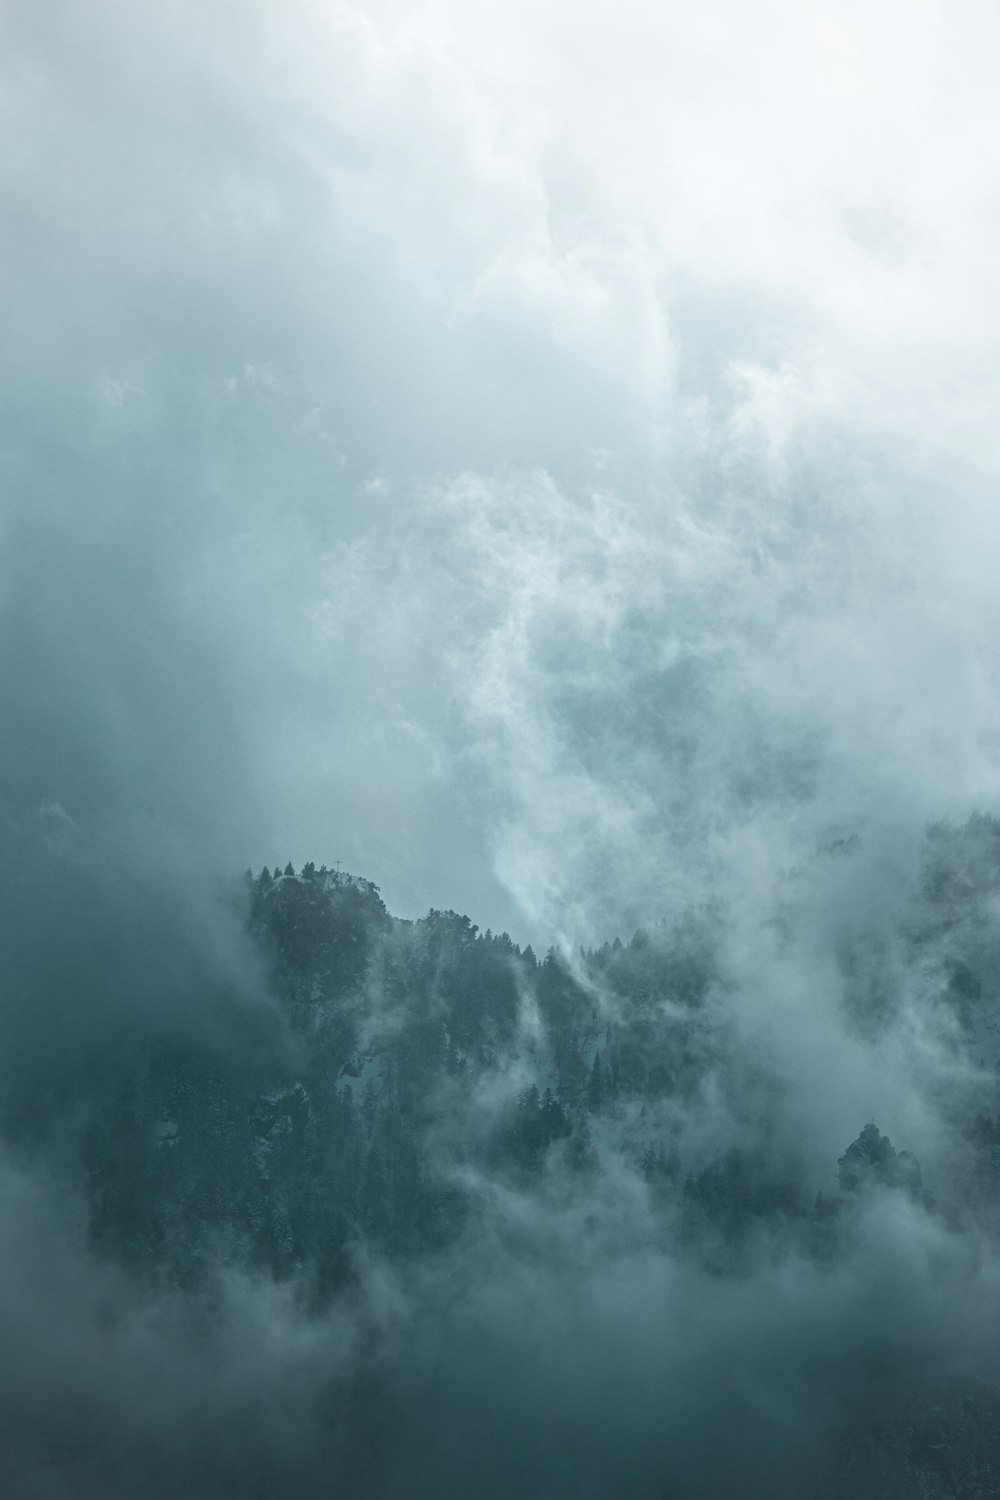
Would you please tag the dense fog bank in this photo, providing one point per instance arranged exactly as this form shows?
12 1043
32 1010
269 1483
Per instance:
386 1207
543 462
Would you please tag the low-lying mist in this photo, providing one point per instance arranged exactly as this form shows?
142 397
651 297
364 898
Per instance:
540 468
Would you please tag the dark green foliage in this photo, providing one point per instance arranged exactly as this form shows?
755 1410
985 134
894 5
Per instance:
424 1091
941 1442
740 1196
318 935
661 1167
529 1128
358 1129
872 1160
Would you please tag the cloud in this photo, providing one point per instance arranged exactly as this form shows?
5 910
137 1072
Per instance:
255 259
545 460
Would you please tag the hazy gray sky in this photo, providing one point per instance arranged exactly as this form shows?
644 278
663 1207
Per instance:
545 457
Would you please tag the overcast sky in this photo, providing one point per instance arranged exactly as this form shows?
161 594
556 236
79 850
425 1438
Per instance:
542 456
545 457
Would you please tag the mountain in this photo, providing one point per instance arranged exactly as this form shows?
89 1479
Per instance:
431 1104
